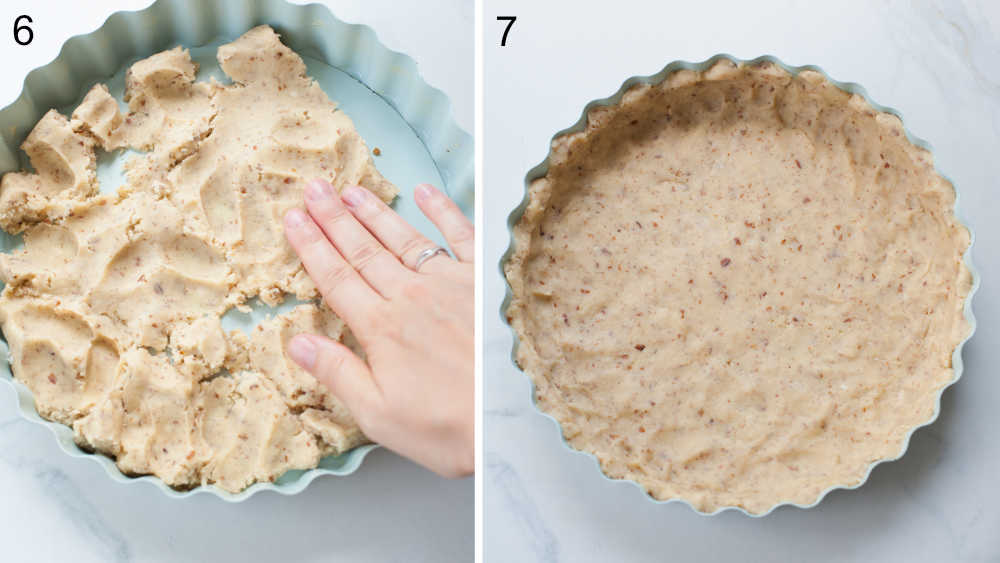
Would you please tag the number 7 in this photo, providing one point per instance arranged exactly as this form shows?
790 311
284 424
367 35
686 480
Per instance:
510 22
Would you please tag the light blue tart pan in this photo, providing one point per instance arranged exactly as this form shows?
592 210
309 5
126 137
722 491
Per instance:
542 168
391 106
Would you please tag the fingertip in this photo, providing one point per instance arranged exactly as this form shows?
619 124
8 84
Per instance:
354 196
295 218
319 189
319 183
303 351
448 218
341 371
424 192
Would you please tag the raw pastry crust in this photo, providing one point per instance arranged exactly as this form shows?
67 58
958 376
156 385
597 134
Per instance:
112 310
739 287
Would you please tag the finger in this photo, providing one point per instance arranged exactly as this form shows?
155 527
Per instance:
395 233
339 369
380 268
448 218
341 286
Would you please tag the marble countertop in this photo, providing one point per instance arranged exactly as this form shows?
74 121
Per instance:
58 508
936 62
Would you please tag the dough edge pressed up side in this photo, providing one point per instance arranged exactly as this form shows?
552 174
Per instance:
570 397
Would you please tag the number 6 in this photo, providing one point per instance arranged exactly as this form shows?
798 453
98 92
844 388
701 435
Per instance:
19 28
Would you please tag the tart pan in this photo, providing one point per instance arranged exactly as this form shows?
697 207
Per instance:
391 105
542 168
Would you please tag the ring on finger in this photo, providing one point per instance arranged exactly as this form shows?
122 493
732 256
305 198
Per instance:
427 255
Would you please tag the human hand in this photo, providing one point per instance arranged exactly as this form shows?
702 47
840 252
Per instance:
416 393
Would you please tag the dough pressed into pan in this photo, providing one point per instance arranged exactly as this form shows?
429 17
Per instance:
739 287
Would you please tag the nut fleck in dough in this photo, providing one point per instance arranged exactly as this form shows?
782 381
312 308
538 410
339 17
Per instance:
112 310
739 287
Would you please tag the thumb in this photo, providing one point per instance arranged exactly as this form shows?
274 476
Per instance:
338 368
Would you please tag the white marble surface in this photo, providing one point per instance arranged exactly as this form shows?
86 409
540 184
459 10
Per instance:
57 508
937 62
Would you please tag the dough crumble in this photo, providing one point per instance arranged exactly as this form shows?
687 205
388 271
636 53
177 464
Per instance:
112 309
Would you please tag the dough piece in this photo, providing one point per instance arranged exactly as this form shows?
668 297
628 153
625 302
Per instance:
250 433
161 278
125 261
65 259
201 348
65 363
739 287
336 429
169 114
66 173
98 116
268 352
145 273
324 414
147 421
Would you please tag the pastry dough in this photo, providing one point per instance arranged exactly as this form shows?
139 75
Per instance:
739 287
112 309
